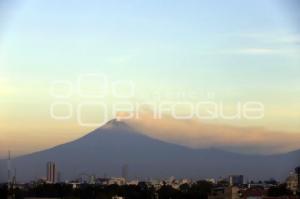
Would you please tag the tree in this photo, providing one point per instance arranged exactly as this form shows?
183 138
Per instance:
3 191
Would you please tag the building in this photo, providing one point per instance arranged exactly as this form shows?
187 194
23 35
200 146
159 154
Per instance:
231 192
125 172
235 180
117 181
297 172
117 197
254 193
293 181
58 176
51 172
211 180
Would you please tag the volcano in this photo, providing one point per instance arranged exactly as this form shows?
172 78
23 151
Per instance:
106 149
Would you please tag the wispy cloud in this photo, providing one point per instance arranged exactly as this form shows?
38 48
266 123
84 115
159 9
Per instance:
257 51
271 38
268 43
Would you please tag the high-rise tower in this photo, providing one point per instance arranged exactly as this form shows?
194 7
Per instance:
125 171
51 172
9 168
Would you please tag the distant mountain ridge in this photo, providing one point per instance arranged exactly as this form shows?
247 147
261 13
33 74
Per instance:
106 149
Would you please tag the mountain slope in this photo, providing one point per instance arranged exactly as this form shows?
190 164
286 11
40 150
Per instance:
106 149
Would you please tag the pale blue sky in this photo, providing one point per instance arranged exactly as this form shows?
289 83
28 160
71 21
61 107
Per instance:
194 39
212 45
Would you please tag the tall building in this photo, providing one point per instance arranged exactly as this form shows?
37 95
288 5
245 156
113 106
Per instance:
236 180
125 171
51 172
58 176
9 168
